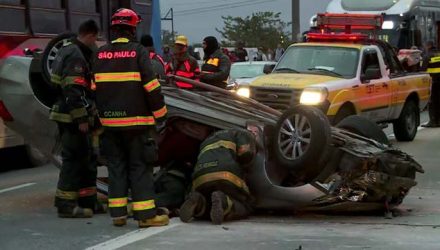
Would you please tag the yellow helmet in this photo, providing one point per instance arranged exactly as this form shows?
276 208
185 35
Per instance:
182 40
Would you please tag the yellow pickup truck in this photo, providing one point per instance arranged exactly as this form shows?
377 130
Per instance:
344 78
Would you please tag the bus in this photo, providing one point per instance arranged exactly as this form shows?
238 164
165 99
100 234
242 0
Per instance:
406 23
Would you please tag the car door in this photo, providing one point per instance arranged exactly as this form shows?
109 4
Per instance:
374 93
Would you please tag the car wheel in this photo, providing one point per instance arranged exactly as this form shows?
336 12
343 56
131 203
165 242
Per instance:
405 128
345 111
51 51
364 127
301 141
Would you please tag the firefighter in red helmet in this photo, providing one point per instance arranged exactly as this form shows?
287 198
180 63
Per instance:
130 104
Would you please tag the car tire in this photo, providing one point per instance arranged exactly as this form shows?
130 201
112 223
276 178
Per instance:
405 127
51 51
302 136
364 127
346 111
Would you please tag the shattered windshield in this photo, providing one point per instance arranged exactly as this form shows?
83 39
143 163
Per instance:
333 61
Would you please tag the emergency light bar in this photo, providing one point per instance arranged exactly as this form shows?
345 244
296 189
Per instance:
336 37
329 21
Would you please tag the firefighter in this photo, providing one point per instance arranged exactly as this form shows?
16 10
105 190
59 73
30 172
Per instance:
216 66
182 63
130 104
218 187
76 116
156 60
431 64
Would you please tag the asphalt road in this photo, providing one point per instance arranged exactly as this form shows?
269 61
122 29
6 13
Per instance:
28 219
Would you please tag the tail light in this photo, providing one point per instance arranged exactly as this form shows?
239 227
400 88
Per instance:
4 113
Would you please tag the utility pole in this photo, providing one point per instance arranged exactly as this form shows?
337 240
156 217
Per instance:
295 20
170 17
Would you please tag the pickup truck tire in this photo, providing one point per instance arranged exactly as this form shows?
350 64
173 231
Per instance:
364 127
405 127
51 51
302 136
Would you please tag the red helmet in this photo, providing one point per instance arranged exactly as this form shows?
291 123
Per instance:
125 17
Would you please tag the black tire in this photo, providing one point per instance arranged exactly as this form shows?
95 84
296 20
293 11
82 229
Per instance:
364 127
50 52
303 151
345 111
405 128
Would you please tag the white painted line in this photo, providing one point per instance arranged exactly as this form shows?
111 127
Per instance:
16 187
134 236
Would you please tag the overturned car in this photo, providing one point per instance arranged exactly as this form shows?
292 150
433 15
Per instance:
302 162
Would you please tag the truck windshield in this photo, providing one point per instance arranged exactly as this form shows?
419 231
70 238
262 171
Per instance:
334 61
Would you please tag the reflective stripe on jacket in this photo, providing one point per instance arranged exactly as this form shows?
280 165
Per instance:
223 156
71 74
188 68
128 95
216 69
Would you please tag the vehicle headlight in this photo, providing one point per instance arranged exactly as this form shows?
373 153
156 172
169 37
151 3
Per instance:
388 25
313 96
245 92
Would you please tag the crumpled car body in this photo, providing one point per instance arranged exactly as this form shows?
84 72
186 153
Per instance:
359 177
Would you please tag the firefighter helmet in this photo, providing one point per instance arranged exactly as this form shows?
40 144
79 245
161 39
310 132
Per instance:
126 17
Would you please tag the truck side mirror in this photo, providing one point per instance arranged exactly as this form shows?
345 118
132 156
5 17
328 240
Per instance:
371 74
268 68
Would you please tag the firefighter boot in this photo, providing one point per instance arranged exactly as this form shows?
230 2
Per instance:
194 206
75 212
220 206
156 221
120 221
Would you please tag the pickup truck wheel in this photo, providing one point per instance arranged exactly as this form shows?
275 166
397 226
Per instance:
51 51
364 127
405 128
301 141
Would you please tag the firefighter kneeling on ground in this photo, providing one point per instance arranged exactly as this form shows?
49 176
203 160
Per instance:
77 119
130 104
182 63
218 187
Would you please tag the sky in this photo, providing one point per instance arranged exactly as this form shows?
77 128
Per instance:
197 24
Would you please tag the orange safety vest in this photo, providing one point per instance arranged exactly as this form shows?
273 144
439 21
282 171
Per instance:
184 72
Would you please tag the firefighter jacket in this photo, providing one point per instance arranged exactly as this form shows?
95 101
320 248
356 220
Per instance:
215 69
223 157
71 75
187 67
128 95
158 64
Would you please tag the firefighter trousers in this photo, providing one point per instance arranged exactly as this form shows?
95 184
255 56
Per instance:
77 179
237 205
170 190
131 155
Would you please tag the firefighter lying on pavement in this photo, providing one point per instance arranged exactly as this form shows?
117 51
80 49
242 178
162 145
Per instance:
77 119
130 104
172 181
182 63
218 187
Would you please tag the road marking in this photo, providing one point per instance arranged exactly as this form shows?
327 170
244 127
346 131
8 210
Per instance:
134 236
16 187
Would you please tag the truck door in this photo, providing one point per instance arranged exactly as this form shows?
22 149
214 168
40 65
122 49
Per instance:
373 96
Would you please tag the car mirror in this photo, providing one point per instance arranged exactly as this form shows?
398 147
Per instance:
371 74
268 68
